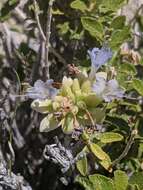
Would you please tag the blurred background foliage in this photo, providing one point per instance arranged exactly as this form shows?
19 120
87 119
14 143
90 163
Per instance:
77 26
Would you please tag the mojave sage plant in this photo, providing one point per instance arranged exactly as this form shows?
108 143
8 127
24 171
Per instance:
79 104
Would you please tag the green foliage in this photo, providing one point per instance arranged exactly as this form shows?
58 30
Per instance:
77 106
110 5
128 68
118 22
7 8
98 152
82 166
96 181
138 86
101 182
119 36
104 127
109 137
136 180
93 26
78 4
120 180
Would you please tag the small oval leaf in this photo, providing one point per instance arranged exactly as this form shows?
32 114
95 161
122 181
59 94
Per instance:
78 4
98 152
138 86
109 137
82 166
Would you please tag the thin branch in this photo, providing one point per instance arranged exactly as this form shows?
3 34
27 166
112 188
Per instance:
48 33
38 20
126 150
57 55
90 117
46 39
39 62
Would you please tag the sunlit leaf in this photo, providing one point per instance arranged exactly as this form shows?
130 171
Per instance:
109 137
98 152
110 5
79 4
106 164
101 182
93 26
120 180
84 181
82 166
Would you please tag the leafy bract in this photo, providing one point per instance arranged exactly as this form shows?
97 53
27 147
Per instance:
42 106
48 124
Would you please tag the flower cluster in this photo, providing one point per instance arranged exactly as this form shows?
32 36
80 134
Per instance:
75 104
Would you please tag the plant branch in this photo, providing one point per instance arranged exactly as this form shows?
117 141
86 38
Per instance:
38 20
90 117
126 150
46 38
48 33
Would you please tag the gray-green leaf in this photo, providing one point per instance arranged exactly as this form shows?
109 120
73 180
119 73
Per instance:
94 27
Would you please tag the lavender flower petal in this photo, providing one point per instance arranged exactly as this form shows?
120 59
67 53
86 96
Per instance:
42 90
113 91
99 86
99 56
108 90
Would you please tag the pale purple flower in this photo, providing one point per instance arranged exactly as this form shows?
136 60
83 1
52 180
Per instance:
42 90
99 56
108 90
